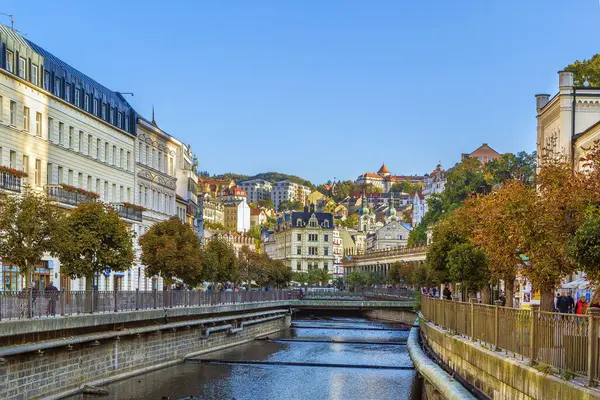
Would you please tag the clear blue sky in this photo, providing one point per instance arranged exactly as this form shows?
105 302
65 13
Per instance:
324 88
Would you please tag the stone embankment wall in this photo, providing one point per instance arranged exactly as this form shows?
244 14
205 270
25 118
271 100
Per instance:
498 376
56 372
390 315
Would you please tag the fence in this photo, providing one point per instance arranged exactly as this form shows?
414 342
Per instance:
28 304
568 343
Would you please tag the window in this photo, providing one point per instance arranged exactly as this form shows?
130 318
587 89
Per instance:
105 191
111 115
299 222
9 61
89 152
153 158
299 250
114 155
299 237
71 131
171 167
95 111
121 193
38 124
160 160
57 87
313 237
325 251
106 152
22 63
128 160
114 193
326 238
121 152
80 144
68 92
50 128
326 223
61 128
47 80
127 124
104 111
313 251
98 144
34 74
119 120
49 174
86 102
26 119
78 97
13 159
165 164
98 186
147 155
89 183
60 175
25 164
70 177
13 113
128 194
80 180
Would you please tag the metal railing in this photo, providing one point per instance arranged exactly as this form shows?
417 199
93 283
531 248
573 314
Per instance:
34 304
10 182
59 193
568 343
128 212
391 252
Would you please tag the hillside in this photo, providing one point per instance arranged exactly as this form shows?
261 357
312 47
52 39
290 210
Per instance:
267 176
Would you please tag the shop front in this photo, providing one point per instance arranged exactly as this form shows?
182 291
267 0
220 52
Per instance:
12 280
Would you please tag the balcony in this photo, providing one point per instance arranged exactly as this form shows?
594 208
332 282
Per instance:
128 211
69 195
192 208
11 182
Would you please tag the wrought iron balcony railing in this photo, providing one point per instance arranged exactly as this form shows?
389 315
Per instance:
65 196
10 182
128 212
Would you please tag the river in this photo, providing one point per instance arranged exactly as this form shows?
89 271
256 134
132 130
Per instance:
267 373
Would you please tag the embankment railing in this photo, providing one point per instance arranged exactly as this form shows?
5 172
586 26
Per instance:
568 343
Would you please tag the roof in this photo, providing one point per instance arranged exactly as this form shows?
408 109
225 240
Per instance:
306 216
256 211
383 169
371 175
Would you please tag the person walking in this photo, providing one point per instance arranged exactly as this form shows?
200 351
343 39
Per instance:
562 303
447 293
582 305
52 295
571 303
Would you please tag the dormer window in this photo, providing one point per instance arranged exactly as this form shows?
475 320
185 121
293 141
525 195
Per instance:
104 111
22 63
326 224
68 92
299 222
9 61
57 87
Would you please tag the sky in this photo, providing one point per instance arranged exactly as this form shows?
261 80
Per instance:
324 89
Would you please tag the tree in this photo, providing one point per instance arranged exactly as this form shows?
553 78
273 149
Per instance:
584 250
406 187
317 275
171 249
98 240
300 277
400 272
288 205
418 236
468 265
586 68
214 226
351 221
279 274
463 181
357 278
254 232
510 167
28 229
219 263
266 204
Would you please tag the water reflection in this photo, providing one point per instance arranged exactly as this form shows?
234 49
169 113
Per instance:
241 381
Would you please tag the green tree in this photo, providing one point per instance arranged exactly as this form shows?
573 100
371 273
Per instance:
510 167
586 68
28 229
279 274
584 250
468 265
219 263
351 221
98 239
418 236
266 203
171 249
214 226
320 276
300 277
357 278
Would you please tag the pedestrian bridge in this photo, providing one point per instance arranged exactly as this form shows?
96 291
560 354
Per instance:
381 261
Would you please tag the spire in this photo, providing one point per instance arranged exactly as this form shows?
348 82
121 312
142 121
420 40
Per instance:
153 121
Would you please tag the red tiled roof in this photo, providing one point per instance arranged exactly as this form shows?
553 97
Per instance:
370 175
383 169
255 211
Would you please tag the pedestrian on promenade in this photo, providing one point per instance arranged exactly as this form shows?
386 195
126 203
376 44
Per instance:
571 303
582 306
556 302
52 295
447 293
562 303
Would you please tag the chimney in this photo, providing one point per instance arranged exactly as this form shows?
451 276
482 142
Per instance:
305 208
541 100
565 79
312 207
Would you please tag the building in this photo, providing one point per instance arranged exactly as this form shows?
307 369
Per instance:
236 215
484 153
186 171
289 191
563 131
419 207
340 212
435 183
214 187
257 190
257 217
235 239
393 235
212 211
268 244
338 254
353 241
384 180
304 240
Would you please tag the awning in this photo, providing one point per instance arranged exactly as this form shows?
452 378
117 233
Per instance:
118 274
574 284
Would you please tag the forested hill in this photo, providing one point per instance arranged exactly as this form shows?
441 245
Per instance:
267 176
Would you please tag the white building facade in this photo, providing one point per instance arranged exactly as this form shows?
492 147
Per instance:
257 189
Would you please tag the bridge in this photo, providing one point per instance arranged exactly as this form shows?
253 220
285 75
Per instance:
380 261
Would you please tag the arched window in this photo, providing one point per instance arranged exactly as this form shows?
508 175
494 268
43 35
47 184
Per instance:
326 223
299 222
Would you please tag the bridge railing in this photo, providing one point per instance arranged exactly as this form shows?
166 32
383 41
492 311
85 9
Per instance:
391 293
390 252
35 304
567 343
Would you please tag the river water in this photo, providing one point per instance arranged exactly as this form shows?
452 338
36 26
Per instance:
268 375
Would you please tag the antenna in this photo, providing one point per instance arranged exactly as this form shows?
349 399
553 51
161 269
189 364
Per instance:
12 21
